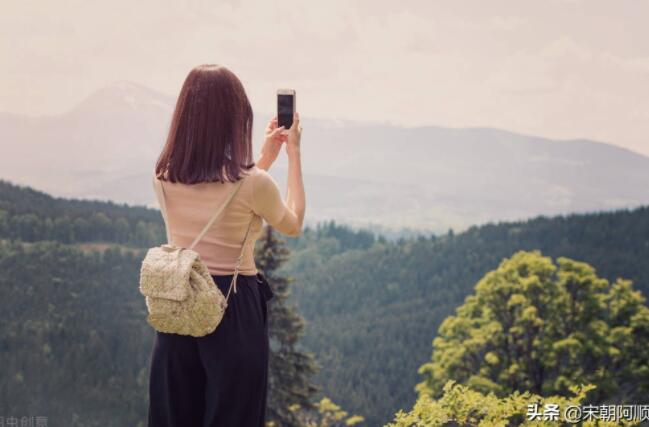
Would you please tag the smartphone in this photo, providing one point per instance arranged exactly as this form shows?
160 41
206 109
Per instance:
285 107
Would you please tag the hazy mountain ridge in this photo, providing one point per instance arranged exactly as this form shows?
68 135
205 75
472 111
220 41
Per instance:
429 178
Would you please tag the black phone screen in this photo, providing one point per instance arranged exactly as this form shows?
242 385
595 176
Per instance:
285 111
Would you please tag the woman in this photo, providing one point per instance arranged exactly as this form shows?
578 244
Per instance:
220 379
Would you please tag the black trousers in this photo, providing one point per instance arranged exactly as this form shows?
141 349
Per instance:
220 379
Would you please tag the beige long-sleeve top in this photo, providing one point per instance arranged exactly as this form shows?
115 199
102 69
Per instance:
190 206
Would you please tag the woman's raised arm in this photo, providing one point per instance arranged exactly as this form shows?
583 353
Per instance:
295 197
286 216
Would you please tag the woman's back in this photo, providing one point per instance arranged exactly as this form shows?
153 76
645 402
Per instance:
190 206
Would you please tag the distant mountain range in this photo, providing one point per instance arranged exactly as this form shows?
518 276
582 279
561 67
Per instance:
428 178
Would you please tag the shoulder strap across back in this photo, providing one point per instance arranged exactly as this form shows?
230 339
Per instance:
159 189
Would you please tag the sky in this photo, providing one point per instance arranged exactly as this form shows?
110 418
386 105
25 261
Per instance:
553 68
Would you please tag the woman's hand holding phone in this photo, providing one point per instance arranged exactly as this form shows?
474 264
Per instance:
275 136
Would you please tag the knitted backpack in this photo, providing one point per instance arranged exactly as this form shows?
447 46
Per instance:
180 294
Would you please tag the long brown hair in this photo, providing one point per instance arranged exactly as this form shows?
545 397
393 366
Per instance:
210 137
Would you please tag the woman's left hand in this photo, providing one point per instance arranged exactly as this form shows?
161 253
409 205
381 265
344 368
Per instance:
273 140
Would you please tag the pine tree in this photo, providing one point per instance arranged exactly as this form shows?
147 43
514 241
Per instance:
291 369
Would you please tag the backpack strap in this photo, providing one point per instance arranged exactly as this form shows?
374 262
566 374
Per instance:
217 214
239 259
159 191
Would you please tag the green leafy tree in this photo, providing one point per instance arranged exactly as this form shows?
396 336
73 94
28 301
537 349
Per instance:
462 406
327 414
291 368
533 325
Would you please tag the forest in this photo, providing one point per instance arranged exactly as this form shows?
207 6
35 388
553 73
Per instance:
372 313
74 343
